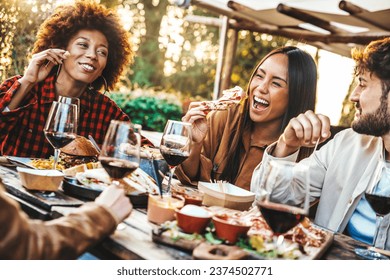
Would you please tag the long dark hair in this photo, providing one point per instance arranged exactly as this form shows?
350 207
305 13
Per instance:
302 87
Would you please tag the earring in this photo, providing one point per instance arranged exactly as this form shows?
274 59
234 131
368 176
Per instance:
58 69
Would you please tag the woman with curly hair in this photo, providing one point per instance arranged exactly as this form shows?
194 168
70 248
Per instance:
80 49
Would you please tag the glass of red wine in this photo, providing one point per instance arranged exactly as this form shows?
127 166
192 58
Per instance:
175 146
120 153
379 200
280 212
61 126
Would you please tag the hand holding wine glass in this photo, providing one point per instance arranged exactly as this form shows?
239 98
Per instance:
120 153
280 213
61 126
175 145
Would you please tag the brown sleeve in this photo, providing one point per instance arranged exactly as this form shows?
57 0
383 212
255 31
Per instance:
63 238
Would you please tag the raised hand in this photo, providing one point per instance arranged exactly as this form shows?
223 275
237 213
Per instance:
303 130
196 115
114 198
41 64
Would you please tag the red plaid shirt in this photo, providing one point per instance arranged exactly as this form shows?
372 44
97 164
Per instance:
21 130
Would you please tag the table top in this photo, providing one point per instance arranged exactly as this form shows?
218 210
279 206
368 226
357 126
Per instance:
133 237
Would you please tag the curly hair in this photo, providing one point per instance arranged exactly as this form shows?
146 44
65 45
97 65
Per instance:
57 30
375 58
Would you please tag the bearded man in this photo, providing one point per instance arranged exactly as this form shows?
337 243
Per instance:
355 161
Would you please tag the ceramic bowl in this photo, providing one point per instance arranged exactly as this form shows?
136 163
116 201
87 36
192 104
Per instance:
40 180
162 209
193 219
229 230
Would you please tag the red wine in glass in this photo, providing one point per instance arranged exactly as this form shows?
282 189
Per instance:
59 139
380 204
175 145
61 126
174 158
120 153
280 218
118 168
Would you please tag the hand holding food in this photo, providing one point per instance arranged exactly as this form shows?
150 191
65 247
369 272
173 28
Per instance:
198 111
303 130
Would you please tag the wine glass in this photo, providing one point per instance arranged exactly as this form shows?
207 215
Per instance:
61 126
120 153
71 100
175 146
281 213
378 198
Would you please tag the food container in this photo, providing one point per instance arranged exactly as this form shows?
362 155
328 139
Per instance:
226 195
162 209
193 218
230 230
41 180
191 195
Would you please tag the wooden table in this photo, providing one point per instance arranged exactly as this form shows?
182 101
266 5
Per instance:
133 238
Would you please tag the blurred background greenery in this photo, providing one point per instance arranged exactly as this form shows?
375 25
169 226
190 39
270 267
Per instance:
175 60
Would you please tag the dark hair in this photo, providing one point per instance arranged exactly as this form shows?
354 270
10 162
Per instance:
302 87
375 58
57 30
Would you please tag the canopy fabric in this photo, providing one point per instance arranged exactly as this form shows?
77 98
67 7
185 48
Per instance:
334 25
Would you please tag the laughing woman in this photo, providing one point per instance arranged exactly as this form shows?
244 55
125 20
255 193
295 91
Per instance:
228 145
80 49
77 46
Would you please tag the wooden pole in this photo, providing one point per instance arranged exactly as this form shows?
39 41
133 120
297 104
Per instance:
229 59
221 56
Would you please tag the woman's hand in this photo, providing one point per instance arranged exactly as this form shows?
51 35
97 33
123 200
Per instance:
196 115
114 199
304 130
41 64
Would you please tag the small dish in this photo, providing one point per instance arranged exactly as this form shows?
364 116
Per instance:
162 209
193 218
40 180
229 230
191 195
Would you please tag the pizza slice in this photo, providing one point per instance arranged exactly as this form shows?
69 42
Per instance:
228 98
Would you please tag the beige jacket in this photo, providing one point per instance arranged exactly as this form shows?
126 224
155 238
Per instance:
63 238
340 172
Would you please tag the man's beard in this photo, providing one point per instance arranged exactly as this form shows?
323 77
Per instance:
376 124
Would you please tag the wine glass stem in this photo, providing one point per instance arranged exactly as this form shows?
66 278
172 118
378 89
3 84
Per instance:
56 156
171 171
378 220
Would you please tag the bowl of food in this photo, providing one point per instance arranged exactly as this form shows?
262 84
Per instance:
226 195
229 229
193 218
40 180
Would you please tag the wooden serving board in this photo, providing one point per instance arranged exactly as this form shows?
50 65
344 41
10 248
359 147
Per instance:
166 238
169 237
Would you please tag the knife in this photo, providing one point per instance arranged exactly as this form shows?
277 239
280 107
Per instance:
94 143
